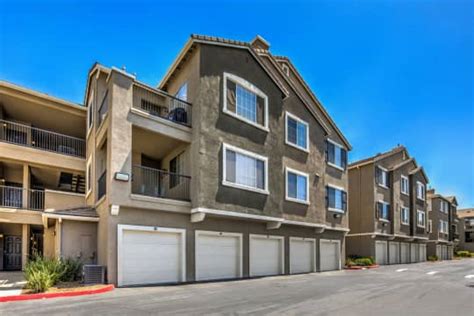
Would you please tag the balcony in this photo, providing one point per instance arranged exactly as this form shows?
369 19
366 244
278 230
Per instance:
13 197
159 183
159 104
24 135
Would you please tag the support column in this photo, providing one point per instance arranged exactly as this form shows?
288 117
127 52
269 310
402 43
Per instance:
25 244
26 184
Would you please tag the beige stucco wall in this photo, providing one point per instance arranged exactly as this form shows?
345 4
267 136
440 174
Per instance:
79 240
62 200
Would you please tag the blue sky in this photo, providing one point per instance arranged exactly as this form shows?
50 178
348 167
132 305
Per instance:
389 72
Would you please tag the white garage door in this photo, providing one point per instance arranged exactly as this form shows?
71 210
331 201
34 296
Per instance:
438 252
150 255
422 253
329 254
381 252
218 255
404 252
444 252
266 255
414 253
394 252
450 252
302 255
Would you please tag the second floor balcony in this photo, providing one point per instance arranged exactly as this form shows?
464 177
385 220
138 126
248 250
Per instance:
160 183
20 198
25 135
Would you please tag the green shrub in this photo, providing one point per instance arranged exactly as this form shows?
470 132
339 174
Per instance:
43 273
363 262
433 258
463 254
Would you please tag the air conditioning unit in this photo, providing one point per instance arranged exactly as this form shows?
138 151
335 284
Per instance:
93 274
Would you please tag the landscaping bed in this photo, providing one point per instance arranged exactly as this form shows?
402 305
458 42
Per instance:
360 263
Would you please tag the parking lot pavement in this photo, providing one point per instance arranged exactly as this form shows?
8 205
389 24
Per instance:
414 289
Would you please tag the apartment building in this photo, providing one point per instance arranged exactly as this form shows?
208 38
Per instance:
466 229
42 179
231 168
443 225
388 208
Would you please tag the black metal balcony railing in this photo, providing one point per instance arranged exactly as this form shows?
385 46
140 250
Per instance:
20 134
12 197
159 183
162 105
102 185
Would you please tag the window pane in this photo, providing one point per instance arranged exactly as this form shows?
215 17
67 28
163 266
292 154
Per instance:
245 170
230 166
301 189
337 156
260 174
292 127
292 185
182 93
332 197
338 199
246 104
301 135
331 148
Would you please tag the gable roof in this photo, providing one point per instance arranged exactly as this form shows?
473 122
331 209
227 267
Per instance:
465 213
378 157
257 48
423 173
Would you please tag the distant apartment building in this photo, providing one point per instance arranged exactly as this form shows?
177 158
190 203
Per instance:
466 229
230 168
388 209
443 225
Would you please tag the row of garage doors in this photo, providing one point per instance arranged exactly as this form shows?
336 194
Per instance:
390 252
150 255
444 252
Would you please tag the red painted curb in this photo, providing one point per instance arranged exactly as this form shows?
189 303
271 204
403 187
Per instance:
38 296
362 267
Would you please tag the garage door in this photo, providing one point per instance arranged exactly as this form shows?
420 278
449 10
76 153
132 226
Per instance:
218 255
330 255
150 255
404 252
414 253
422 253
439 252
266 255
381 252
450 252
302 255
444 252
394 252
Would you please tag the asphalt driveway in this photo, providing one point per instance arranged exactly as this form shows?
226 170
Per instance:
415 289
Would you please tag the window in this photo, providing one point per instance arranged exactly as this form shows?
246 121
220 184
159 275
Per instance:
296 132
405 215
90 111
420 190
444 207
443 227
89 175
430 226
244 169
182 93
297 186
404 185
245 101
336 155
336 199
446 227
383 211
420 218
469 236
382 177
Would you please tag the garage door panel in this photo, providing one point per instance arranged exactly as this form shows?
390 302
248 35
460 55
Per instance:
404 253
302 255
394 252
218 255
381 257
329 255
150 256
266 255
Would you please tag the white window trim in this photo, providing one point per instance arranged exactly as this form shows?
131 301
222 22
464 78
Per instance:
223 234
383 219
380 184
120 231
247 85
287 169
408 185
88 183
401 217
424 222
340 146
247 153
281 239
294 117
336 210
418 183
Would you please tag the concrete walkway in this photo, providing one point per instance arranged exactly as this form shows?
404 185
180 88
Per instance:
11 282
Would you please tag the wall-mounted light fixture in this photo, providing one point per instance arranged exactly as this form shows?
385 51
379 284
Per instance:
122 176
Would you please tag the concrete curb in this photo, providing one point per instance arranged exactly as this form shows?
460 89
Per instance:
37 296
374 266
